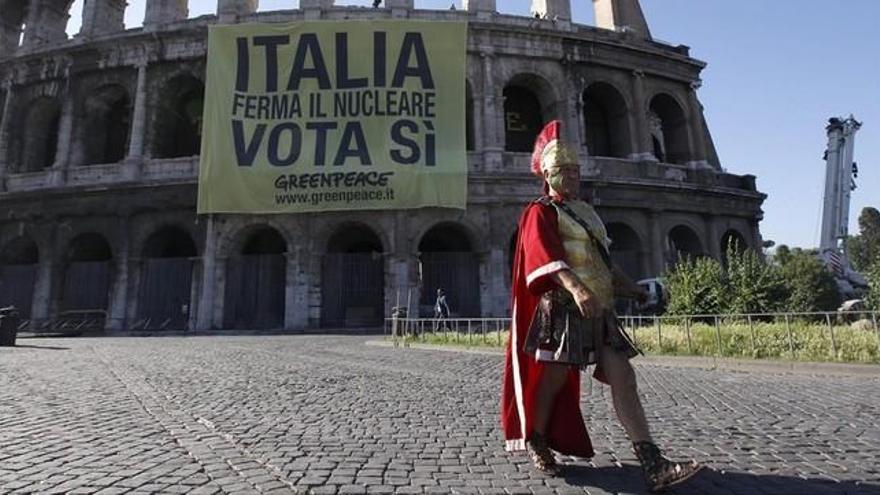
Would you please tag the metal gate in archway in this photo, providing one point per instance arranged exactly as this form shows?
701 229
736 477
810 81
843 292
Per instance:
86 286
352 290
255 286
17 287
164 299
457 273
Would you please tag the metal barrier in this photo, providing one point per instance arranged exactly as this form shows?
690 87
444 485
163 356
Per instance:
831 336
458 330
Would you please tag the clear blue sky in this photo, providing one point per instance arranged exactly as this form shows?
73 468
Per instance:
778 69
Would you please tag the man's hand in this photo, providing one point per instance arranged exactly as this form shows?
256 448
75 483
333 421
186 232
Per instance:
586 302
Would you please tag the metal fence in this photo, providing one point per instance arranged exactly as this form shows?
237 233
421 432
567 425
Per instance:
486 331
848 336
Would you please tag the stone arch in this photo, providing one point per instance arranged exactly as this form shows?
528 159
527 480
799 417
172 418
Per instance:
12 24
606 121
352 277
626 249
668 129
165 292
178 125
87 270
39 141
449 261
683 241
469 116
107 120
18 273
256 280
529 102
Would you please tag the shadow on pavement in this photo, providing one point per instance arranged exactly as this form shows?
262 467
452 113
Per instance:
709 481
48 347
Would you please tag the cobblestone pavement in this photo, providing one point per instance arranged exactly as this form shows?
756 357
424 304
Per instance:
330 414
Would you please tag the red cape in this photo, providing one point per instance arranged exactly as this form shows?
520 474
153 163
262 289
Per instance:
539 254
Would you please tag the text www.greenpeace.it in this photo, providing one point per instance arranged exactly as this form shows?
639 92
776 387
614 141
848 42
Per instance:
316 198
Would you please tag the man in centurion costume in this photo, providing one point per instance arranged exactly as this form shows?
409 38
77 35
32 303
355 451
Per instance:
564 285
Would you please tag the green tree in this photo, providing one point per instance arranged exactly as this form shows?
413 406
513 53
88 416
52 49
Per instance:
862 248
872 298
809 286
695 287
753 285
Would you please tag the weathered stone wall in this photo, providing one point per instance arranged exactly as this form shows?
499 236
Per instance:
127 77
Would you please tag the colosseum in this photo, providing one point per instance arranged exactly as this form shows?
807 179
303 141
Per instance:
99 158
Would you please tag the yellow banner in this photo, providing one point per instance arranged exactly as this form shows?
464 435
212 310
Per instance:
327 115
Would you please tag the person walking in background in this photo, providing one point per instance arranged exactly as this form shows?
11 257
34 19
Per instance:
441 310
563 285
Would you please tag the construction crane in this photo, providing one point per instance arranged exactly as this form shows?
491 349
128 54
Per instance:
840 181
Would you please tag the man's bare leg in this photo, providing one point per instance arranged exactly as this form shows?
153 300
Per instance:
552 381
625 395
659 471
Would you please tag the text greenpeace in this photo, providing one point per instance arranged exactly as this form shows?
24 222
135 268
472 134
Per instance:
321 116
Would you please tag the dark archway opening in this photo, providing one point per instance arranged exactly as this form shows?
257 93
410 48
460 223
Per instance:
166 279
353 279
448 262
683 242
673 130
522 119
107 125
255 282
18 273
606 121
626 249
178 128
40 140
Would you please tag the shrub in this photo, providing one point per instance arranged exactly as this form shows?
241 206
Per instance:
695 287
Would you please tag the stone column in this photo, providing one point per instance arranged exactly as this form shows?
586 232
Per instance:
135 270
205 306
45 23
135 159
218 310
312 8
713 240
119 294
103 17
229 11
658 243
497 306
296 290
47 271
160 12
558 11
643 149
65 135
399 8
756 235
5 132
483 8
698 131
493 110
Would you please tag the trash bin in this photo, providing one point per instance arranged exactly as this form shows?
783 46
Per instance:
8 326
